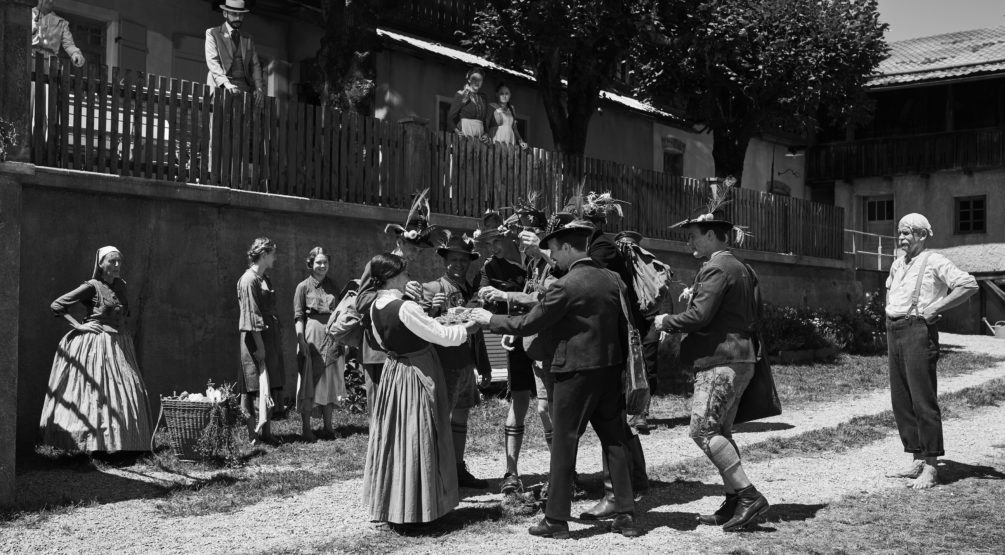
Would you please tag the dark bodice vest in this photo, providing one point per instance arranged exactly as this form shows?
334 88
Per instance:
394 335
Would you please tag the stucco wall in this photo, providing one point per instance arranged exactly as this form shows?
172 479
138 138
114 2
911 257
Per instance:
184 250
757 167
933 196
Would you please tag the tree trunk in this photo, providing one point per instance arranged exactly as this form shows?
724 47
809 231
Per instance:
729 149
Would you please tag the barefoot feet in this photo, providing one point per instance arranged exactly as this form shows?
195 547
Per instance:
912 471
928 477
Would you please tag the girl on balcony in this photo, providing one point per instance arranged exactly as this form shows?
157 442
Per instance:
469 111
322 382
96 400
502 124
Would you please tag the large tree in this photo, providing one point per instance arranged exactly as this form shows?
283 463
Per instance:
572 47
744 67
346 56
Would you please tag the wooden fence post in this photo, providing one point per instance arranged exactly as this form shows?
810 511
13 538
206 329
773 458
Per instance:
15 87
418 164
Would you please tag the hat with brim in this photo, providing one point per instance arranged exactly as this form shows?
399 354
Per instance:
234 6
563 224
490 227
417 232
711 220
460 245
628 235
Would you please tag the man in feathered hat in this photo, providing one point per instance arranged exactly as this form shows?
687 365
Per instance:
459 363
410 241
503 281
719 321
576 319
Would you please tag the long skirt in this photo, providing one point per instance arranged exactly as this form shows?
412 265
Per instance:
96 399
325 385
410 475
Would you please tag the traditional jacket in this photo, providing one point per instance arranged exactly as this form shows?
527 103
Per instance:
579 318
721 315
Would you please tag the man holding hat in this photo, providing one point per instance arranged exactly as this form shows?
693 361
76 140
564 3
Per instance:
581 321
459 363
921 286
719 322
231 56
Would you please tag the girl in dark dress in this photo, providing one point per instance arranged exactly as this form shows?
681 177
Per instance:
96 400
469 111
261 373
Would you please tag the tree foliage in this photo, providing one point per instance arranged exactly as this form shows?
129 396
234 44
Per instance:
346 55
580 42
743 67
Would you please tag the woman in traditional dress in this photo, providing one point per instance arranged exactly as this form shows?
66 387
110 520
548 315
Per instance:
502 123
261 375
96 400
469 111
321 381
409 476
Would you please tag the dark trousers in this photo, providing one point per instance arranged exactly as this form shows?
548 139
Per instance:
593 397
914 354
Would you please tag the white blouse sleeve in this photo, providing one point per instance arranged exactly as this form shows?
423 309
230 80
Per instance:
419 323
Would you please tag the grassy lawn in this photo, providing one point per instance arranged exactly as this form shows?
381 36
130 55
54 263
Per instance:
49 482
961 516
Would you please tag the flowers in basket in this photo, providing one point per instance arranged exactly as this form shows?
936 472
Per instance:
216 438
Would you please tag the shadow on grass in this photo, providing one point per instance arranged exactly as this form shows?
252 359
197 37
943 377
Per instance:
951 471
669 422
758 427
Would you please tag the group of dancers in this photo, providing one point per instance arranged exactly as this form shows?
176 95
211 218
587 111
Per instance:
563 296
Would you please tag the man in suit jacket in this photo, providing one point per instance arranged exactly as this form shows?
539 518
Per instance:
719 321
580 319
231 56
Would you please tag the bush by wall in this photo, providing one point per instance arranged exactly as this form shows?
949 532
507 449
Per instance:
862 330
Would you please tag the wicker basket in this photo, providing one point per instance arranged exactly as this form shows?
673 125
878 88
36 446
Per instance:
186 421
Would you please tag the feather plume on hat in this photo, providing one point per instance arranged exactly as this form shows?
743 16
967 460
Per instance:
593 205
713 213
417 228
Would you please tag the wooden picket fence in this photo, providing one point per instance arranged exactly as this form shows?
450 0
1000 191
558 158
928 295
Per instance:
134 124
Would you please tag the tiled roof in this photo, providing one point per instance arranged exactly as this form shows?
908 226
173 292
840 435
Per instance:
987 257
939 57
475 60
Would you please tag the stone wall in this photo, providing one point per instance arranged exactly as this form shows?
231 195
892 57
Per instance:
184 249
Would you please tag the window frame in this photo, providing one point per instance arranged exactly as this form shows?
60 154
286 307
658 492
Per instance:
875 202
957 213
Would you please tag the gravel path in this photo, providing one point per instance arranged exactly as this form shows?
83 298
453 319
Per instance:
322 515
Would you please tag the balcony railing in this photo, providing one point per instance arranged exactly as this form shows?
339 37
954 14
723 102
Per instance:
435 19
870 251
918 154
130 124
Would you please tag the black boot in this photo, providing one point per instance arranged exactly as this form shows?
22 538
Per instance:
548 528
466 480
750 505
721 516
624 524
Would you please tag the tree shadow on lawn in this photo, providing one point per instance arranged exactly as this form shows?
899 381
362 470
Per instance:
951 472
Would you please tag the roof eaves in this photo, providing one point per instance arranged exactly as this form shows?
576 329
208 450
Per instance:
475 60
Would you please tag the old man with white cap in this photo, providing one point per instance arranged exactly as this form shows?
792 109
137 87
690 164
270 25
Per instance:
921 286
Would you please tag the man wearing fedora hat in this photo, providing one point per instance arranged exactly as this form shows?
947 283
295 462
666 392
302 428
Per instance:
459 363
719 322
580 318
231 56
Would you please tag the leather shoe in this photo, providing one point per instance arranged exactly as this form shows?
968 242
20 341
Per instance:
603 509
723 514
624 524
750 505
547 528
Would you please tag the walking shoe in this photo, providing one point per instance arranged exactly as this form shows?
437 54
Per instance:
510 484
750 504
603 509
624 524
548 528
721 516
466 480
640 423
